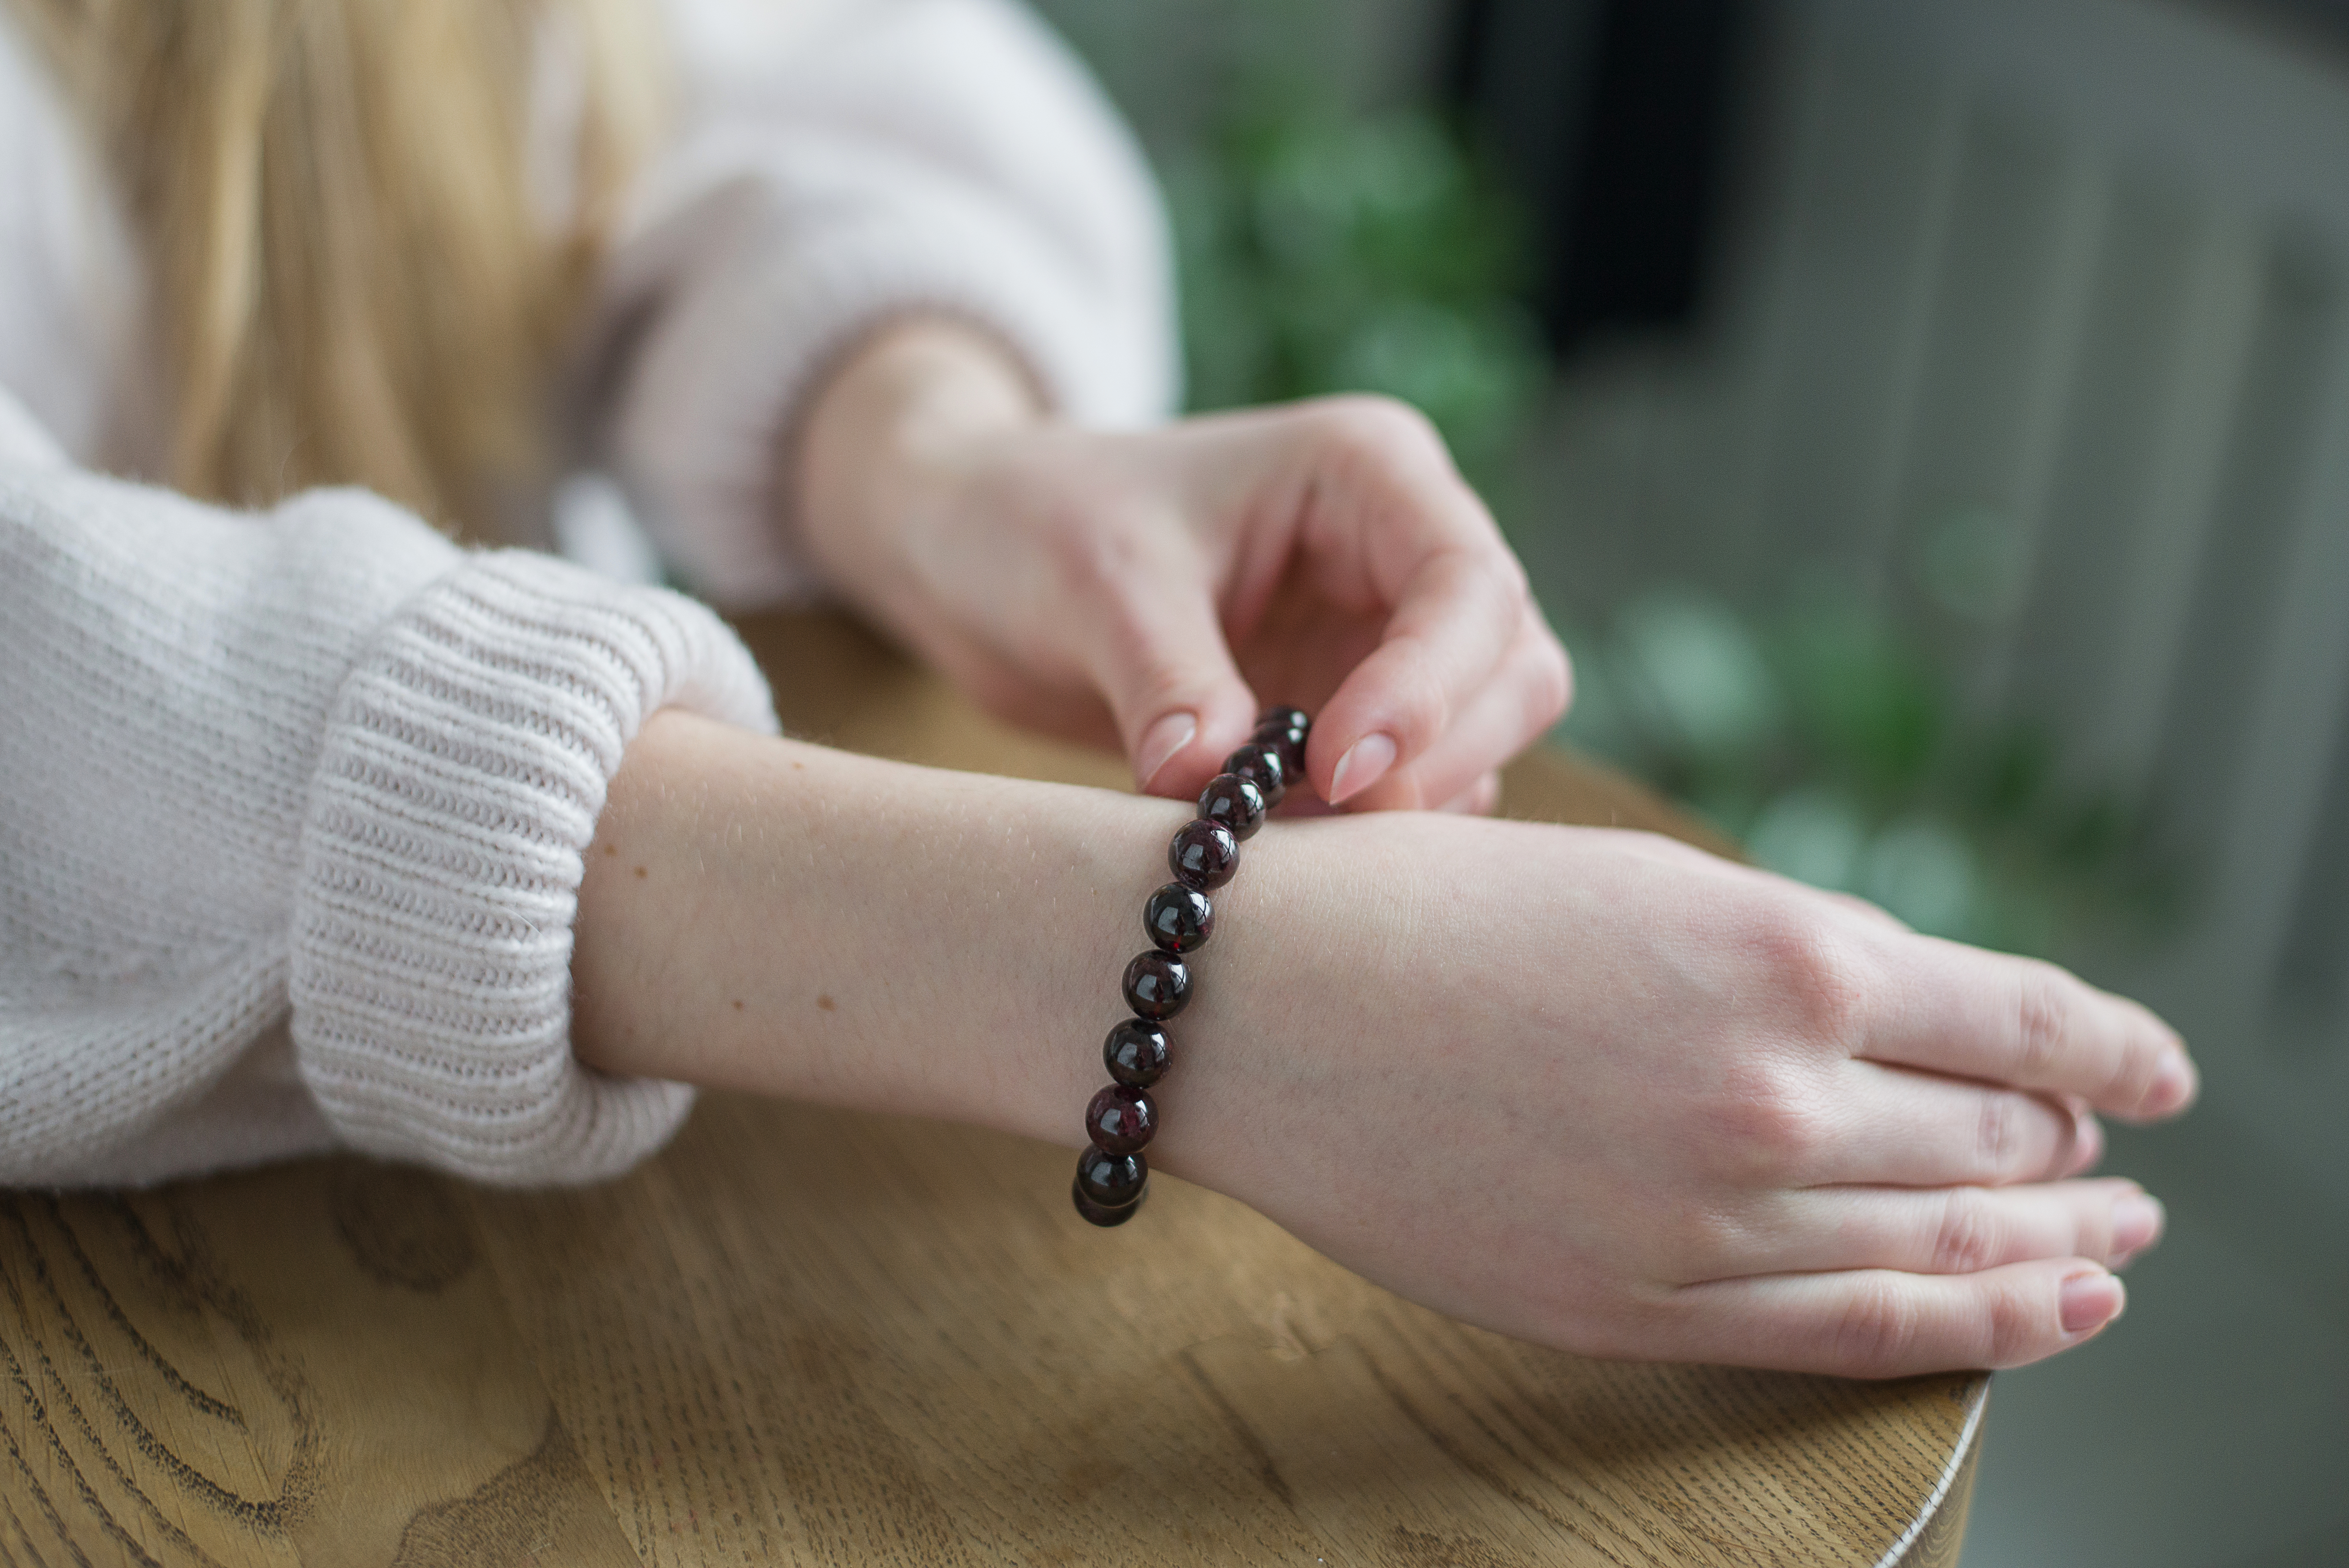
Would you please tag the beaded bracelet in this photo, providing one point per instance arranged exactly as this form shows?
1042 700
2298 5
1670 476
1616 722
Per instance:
1112 1176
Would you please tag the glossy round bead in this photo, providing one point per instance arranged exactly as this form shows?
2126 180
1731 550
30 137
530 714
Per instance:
1290 750
1121 1119
1260 764
1204 854
1095 1215
1156 985
1137 1052
1179 919
1112 1181
1293 722
1234 802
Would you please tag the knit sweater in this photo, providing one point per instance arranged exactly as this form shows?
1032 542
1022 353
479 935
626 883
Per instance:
293 805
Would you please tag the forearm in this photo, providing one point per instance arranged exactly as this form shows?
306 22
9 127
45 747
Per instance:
788 919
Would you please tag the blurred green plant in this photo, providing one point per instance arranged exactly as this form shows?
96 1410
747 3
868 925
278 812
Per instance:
1328 252
1826 742
1323 250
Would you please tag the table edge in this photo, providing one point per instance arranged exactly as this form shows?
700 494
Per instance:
1961 1457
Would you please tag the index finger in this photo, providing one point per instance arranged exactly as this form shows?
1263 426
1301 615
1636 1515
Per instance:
1392 530
1446 640
1952 1008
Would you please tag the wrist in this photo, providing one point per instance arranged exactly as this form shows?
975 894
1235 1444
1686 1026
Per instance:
889 441
790 920
1291 941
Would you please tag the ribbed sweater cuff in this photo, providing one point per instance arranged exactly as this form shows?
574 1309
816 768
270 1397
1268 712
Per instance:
465 763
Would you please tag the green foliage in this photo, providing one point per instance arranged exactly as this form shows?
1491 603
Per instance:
1323 250
1328 252
1825 741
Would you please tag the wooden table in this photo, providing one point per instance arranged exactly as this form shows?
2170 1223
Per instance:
804 1336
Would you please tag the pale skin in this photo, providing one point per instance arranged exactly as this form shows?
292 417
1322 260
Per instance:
1586 1087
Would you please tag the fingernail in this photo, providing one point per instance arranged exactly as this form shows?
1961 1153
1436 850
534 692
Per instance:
2137 1225
2173 1086
1160 742
1365 763
2091 1301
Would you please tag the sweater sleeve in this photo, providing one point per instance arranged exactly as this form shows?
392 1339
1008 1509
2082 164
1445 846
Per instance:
890 156
293 810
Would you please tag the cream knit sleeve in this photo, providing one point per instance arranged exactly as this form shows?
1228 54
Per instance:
293 809
842 162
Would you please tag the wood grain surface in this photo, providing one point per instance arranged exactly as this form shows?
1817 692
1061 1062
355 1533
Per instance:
808 1336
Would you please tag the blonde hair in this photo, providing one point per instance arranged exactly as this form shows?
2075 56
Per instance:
351 275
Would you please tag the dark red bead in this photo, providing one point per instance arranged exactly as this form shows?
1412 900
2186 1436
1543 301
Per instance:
1204 854
1288 722
1121 1119
1292 752
1234 802
1112 1181
1260 765
1157 984
1095 1215
1137 1052
1285 729
1178 918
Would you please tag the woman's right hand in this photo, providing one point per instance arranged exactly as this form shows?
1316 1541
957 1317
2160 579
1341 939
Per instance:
1598 1089
1586 1087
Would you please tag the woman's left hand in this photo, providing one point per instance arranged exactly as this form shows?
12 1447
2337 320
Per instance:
1158 588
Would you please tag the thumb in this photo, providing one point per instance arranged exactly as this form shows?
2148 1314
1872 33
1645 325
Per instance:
1161 662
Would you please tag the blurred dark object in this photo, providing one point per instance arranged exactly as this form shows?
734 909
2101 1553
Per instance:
1612 118
2325 16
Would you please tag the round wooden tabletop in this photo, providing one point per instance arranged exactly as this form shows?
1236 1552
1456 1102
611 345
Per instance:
807 1336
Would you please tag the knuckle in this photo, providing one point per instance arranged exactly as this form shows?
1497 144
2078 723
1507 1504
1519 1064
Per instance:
1512 590
1375 429
1966 1239
1420 705
1999 1135
1092 564
2091 1232
1820 973
1552 687
1766 1123
2135 1072
1878 1329
1702 1240
2041 1023
2011 1327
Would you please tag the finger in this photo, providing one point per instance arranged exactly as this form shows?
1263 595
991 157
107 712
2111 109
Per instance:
1879 1323
1947 1230
1956 1010
1155 648
1447 638
1523 697
2088 1141
1478 800
1896 1127
1391 526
